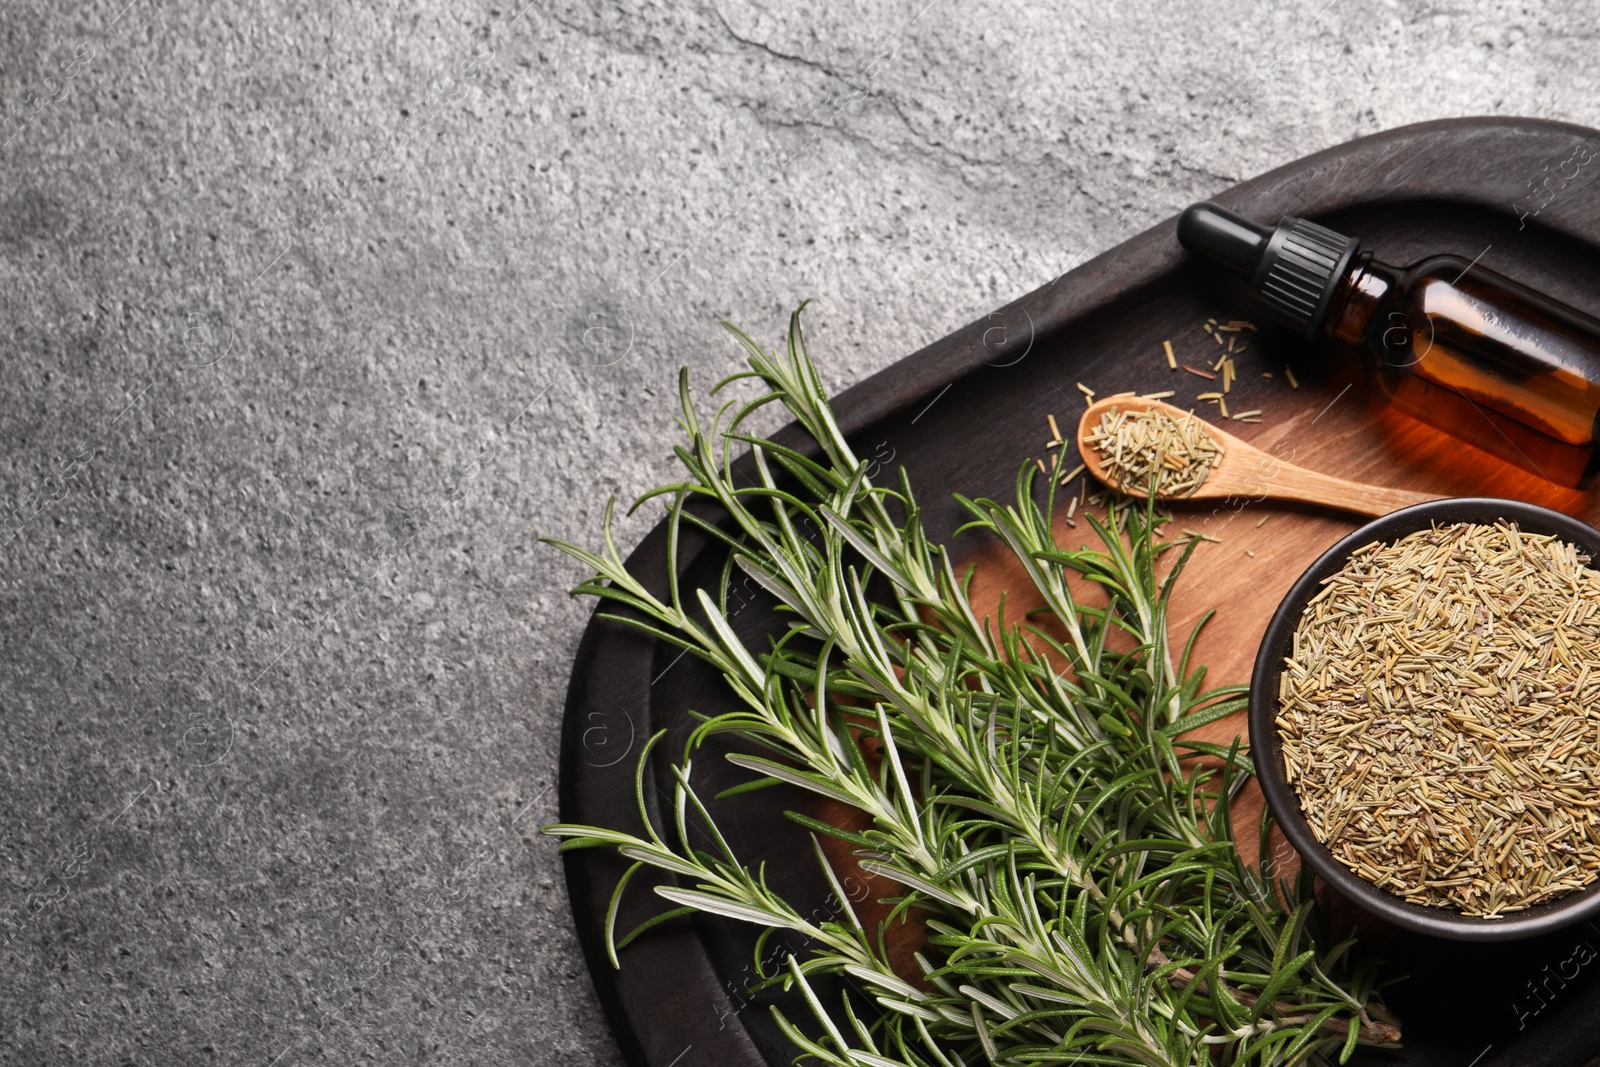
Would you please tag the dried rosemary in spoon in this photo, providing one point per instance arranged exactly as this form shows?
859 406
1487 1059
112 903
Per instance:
1439 721
1145 449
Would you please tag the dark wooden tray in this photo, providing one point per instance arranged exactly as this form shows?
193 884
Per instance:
1464 186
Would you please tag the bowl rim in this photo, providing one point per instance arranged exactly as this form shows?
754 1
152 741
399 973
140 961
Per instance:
1267 755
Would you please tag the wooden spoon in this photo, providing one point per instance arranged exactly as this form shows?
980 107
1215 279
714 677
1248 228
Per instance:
1245 471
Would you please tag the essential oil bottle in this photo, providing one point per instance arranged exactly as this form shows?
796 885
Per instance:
1448 341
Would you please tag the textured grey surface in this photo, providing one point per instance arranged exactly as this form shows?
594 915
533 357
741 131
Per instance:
317 315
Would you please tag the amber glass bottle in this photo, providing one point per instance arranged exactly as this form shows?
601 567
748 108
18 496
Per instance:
1450 342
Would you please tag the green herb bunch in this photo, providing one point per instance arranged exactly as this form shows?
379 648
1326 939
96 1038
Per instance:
1065 842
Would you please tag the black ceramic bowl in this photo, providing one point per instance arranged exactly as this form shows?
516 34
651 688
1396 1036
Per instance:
1267 751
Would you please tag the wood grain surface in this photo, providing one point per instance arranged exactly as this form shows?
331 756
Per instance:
964 413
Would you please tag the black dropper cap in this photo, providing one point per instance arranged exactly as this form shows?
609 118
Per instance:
1293 267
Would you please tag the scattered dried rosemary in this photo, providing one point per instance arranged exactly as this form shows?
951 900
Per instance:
1151 446
1439 720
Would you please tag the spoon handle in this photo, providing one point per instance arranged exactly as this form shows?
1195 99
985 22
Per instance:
1311 487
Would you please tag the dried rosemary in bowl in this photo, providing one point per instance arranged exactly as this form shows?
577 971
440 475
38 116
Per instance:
1438 717
1149 448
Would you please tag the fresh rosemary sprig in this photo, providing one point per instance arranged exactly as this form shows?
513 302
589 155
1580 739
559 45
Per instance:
1038 795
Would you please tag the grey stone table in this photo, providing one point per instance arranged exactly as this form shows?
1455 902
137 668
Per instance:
317 315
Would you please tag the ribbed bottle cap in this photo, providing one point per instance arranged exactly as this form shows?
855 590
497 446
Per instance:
1294 268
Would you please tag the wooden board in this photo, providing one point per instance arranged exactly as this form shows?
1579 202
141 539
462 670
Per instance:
962 414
